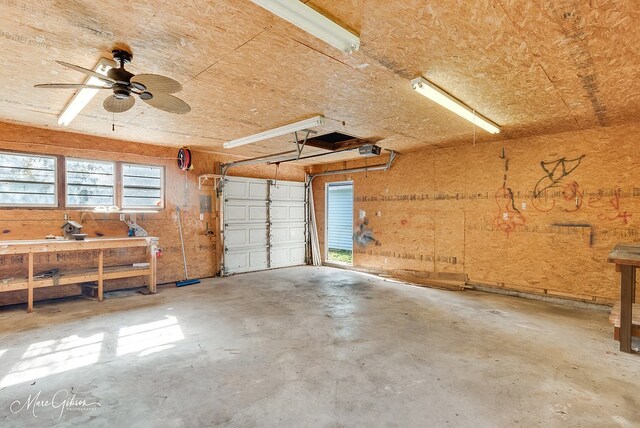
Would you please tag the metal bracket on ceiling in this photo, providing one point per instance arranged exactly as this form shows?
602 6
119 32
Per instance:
299 147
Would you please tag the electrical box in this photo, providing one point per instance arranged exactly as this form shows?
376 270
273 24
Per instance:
369 150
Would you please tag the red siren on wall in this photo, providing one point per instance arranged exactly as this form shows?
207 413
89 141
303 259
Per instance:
184 159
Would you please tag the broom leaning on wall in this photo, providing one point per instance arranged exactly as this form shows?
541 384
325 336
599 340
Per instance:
186 281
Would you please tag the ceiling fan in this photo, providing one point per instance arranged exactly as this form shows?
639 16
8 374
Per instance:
153 89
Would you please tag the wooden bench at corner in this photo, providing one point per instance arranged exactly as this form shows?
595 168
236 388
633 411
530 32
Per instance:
614 319
99 274
77 276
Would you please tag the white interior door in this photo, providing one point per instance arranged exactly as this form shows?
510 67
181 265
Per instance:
264 224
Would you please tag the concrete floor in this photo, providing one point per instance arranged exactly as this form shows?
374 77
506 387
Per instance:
313 347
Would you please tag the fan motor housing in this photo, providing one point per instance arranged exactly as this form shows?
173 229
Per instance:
120 75
121 91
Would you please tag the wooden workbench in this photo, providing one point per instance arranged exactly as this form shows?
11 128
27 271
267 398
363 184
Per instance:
627 259
99 274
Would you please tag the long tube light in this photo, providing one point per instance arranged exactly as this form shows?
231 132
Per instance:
84 95
436 94
313 22
276 132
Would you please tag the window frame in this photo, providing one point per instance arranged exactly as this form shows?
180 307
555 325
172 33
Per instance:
61 196
138 207
66 181
56 181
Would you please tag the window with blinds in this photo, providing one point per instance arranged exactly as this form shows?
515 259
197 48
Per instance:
90 183
142 186
28 180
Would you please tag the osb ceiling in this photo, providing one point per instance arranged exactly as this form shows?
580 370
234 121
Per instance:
533 67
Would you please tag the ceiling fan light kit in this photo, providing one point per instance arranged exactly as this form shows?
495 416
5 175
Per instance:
313 22
153 89
438 95
276 132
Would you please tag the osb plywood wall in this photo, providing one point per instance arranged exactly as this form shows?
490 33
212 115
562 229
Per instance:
538 214
181 189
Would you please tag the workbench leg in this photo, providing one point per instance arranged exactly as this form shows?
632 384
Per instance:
100 275
152 269
30 285
627 285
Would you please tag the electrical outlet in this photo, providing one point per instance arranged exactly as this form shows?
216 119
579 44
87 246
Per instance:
66 216
121 217
505 216
524 205
201 216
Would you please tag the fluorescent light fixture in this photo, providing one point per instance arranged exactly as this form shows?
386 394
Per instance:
276 132
313 22
436 94
84 95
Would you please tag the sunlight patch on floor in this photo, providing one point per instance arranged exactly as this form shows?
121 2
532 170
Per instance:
54 356
146 339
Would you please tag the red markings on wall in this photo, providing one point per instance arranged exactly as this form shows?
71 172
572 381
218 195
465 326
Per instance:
509 217
613 203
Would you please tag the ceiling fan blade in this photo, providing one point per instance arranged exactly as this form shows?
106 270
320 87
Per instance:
87 71
157 83
69 86
168 103
116 105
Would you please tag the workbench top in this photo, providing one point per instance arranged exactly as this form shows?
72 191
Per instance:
625 254
52 245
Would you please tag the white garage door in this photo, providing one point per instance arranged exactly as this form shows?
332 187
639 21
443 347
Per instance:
264 224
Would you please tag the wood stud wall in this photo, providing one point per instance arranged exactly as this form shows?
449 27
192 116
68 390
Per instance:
443 210
37 223
560 77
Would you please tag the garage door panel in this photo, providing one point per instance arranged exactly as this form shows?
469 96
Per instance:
246 261
296 213
293 211
253 235
258 212
258 236
287 234
296 192
245 211
246 189
280 191
287 256
296 233
235 213
237 237
287 191
258 191
279 213
279 235
235 189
